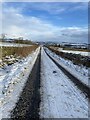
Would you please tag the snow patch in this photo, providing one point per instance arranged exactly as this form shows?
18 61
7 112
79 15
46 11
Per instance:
75 52
12 81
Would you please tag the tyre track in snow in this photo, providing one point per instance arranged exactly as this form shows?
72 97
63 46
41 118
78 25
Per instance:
59 97
27 106
85 89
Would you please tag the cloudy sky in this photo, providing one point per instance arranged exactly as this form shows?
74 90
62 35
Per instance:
46 21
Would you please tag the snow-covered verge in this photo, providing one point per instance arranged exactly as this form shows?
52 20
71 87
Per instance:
12 81
59 96
80 72
13 44
9 60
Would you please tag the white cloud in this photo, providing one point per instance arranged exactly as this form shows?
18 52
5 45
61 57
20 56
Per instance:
16 24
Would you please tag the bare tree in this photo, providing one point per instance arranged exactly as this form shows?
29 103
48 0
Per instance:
3 36
20 38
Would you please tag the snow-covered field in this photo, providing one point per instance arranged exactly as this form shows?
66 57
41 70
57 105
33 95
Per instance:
80 72
59 96
12 81
12 44
75 52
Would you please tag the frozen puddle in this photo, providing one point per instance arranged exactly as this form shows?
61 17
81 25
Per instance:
59 97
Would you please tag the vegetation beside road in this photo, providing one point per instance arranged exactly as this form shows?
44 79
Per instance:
10 55
20 51
75 58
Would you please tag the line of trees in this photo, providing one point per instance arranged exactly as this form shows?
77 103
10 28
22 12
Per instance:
3 37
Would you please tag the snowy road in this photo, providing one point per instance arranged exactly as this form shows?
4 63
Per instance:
42 90
81 81
59 96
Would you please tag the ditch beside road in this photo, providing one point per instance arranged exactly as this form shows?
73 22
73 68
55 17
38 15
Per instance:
28 104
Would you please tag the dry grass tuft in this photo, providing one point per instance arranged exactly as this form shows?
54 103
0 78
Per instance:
19 51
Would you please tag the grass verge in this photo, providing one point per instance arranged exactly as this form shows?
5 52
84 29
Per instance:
19 51
10 55
75 58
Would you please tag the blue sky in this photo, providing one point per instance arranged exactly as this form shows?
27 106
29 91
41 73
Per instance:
46 21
